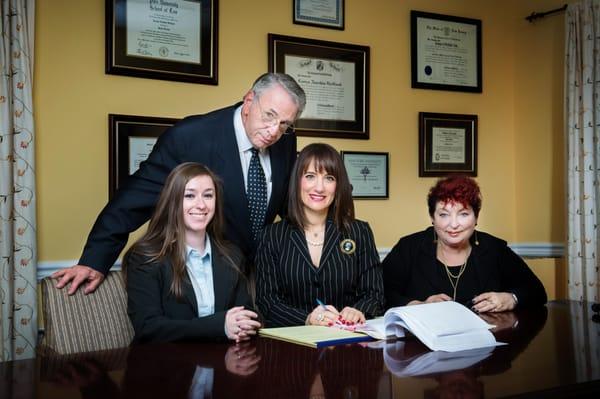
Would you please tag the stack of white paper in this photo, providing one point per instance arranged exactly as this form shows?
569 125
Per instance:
445 326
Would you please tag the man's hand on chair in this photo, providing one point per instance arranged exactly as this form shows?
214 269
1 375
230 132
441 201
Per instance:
78 275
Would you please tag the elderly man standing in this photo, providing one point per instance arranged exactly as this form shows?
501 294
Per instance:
250 146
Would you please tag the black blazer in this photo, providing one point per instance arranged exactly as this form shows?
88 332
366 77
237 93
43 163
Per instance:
411 271
210 140
288 283
157 316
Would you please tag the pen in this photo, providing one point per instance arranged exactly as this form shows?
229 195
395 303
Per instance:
321 304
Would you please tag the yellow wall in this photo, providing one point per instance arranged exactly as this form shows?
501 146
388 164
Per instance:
520 112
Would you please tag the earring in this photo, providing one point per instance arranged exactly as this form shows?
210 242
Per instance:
434 237
476 240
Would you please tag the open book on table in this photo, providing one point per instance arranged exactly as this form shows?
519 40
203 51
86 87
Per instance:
444 326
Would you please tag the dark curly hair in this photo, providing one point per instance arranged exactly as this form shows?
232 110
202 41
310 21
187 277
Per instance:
458 189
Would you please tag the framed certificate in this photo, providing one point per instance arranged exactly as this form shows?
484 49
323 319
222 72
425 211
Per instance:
335 77
368 173
447 144
445 52
321 13
169 40
130 141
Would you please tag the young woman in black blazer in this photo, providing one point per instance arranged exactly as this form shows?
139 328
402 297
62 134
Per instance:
183 281
319 252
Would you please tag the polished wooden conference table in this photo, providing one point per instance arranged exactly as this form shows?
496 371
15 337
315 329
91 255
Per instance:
551 352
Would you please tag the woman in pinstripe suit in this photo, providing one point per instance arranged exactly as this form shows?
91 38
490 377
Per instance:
319 252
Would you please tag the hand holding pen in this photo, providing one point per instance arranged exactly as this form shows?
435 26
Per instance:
323 315
327 315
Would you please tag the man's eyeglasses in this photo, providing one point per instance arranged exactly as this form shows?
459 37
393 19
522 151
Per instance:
271 119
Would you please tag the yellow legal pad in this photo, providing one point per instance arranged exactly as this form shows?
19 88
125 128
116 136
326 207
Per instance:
313 336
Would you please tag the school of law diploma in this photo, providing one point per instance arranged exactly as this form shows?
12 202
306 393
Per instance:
447 52
448 145
329 86
164 29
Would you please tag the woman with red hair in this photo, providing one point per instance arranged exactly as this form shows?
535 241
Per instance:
452 261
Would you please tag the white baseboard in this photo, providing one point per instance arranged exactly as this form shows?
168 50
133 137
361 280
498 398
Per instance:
525 250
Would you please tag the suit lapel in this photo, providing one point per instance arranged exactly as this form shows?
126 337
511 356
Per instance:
188 292
299 241
332 240
277 180
227 152
432 270
222 281
186 285
478 253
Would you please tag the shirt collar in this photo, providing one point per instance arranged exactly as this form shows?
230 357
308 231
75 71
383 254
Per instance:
189 251
241 137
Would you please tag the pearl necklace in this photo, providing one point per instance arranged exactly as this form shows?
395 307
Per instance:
314 244
315 234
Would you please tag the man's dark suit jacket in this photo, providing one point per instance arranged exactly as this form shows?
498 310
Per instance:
208 139
411 271
158 316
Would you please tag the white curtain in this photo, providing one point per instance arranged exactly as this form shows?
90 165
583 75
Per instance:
18 250
582 89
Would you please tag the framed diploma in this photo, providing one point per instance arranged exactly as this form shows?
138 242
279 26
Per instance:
447 144
162 39
130 141
335 77
322 13
368 173
445 52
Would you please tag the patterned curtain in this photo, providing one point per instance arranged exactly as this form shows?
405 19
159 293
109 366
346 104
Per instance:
582 87
18 250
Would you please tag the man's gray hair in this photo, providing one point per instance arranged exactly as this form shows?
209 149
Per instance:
268 80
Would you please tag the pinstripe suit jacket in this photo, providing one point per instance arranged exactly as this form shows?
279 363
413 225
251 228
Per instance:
288 283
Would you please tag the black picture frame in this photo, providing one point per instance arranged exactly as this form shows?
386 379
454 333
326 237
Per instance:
445 52
359 165
163 62
121 129
447 137
318 67
335 20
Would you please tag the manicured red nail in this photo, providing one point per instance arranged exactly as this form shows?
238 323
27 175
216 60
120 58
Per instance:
330 324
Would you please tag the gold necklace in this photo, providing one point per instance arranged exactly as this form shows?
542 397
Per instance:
454 283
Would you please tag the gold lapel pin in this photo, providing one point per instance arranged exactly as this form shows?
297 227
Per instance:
348 246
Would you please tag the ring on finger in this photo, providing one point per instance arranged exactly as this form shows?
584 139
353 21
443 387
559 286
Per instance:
320 317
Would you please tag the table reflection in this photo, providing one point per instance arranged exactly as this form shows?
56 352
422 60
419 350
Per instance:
551 355
458 374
